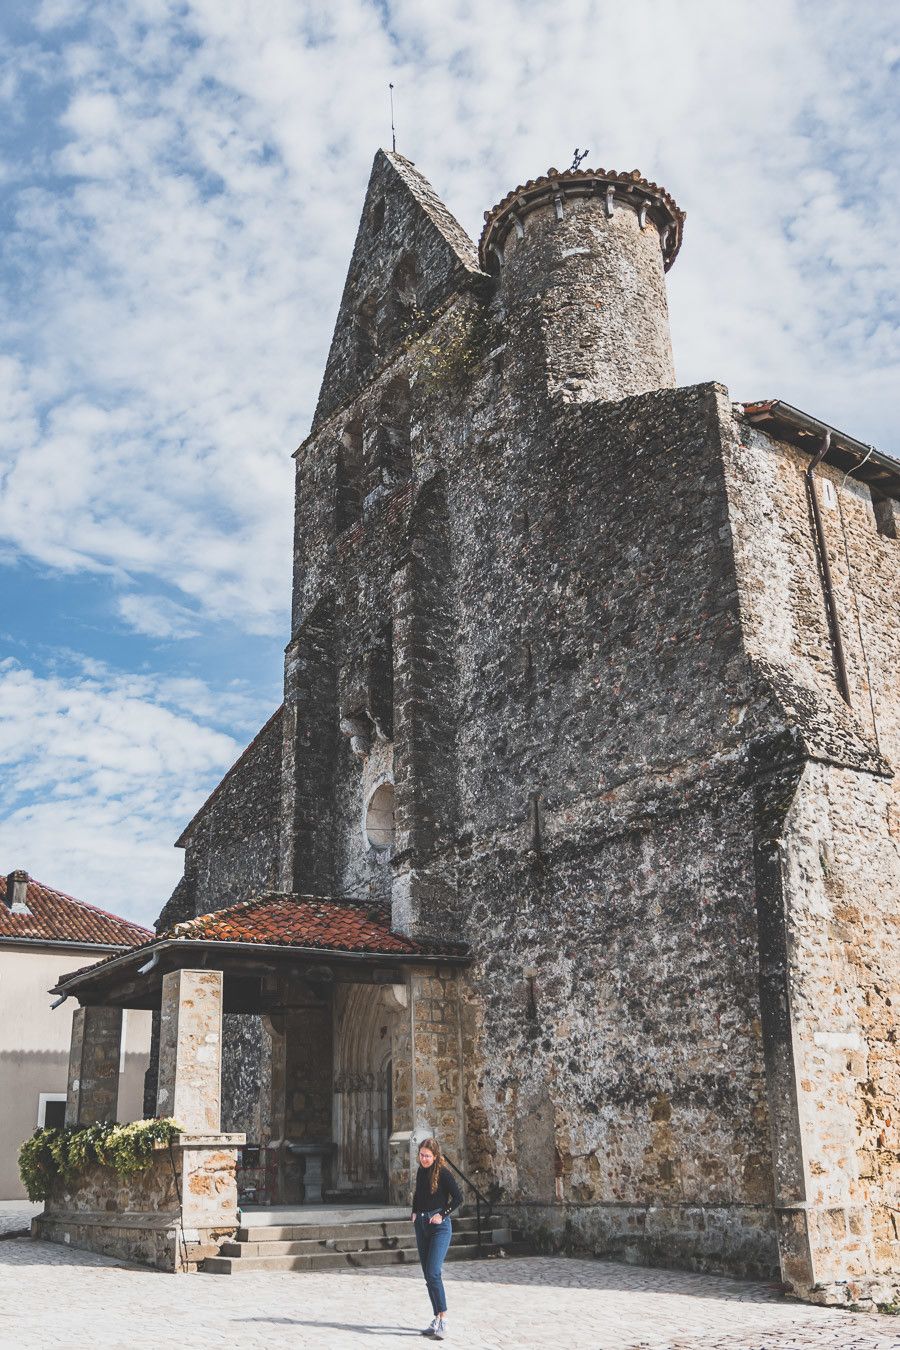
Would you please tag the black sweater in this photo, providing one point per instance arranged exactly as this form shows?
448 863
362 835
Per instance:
447 1197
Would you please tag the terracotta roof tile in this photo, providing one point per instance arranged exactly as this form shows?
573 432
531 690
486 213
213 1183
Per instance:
307 921
577 182
55 917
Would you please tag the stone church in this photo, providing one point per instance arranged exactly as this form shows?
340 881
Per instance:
576 839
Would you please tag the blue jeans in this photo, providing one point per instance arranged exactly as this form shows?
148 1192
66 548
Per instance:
432 1240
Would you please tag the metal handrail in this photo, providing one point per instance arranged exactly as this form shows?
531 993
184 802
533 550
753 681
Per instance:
479 1198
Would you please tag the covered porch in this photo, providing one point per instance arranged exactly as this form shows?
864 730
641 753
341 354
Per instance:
361 1046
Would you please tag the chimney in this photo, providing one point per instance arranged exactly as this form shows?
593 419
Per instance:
17 892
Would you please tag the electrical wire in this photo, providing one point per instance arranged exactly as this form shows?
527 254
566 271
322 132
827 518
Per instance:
184 1250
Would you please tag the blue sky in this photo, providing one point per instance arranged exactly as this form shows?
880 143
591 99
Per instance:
180 182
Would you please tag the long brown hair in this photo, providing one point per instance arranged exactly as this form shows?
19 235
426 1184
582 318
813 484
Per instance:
435 1169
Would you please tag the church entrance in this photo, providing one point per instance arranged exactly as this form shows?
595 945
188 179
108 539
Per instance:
361 1114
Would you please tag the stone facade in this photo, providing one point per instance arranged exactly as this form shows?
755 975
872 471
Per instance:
568 621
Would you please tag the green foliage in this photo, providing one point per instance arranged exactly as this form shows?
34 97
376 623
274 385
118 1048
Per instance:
37 1166
61 1154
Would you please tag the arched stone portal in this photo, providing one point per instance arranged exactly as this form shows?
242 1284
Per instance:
362 1089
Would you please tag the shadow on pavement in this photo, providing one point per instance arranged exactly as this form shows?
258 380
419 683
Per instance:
602 1275
361 1328
590 1274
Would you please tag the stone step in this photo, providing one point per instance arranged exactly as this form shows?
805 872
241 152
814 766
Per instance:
328 1260
343 1243
364 1229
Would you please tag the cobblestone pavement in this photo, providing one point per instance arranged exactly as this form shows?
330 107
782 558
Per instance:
51 1295
16 1215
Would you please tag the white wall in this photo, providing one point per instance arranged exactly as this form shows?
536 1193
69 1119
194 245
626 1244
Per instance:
34 1049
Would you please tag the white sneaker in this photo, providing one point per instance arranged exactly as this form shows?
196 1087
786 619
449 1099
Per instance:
440 1330
432 1327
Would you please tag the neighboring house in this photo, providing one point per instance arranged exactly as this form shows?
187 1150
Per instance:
45 934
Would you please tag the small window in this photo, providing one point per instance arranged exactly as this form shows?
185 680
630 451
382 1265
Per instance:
51 1110
399 310
348 505
366 333
887 515
376 219
380 819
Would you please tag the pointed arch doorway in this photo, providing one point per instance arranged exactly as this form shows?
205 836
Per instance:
362 1090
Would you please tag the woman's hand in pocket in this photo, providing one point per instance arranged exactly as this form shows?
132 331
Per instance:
436 1218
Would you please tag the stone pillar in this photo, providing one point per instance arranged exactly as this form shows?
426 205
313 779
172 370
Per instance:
190 1050
428 1075
93 1087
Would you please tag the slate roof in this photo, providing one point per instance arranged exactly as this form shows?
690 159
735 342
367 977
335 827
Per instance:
60 919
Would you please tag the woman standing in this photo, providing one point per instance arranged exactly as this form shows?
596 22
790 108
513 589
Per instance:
436 1195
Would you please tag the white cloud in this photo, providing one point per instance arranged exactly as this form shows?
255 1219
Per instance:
181 286
181 222
102 770
156 616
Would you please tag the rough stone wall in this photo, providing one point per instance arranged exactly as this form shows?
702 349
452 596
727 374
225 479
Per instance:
190 1077
309 1057
92 1085
616 1084
409 256
588 292
437 1069
171 1215
301 1089
246 1066
840 853
615 1079
428 1073
231 845
307 863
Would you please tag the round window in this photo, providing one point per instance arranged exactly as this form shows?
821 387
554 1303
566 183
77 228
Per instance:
380 818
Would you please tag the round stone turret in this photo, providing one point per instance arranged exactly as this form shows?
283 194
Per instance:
580 259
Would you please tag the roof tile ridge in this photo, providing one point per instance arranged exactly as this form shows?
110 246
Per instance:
571 175
239 905
84 904
117 918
